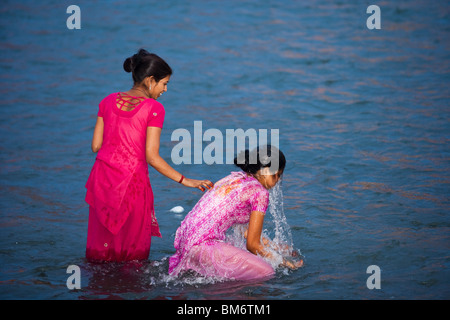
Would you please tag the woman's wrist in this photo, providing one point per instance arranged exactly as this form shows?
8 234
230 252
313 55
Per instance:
184 181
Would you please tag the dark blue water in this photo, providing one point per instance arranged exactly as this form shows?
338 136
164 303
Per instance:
363 117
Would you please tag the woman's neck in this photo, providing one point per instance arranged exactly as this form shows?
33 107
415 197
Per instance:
138 92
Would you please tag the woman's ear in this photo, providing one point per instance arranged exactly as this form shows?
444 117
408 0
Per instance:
150 82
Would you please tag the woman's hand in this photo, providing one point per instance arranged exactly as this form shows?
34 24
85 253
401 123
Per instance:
292 264
199 184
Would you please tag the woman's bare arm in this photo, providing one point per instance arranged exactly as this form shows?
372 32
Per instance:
254 231
256 246
97 139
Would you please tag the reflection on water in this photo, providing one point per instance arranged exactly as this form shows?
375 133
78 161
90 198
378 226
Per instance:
363 118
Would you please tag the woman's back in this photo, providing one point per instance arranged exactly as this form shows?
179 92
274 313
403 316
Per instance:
125 129
231 201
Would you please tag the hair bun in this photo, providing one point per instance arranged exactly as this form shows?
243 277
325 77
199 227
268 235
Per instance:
128 64
132 62
144 64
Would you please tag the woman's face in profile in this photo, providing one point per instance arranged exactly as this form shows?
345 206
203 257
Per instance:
269 180
158 88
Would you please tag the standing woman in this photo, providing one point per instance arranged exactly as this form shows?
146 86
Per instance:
126 139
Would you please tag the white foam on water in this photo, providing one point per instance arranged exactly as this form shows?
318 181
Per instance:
177 209
157 275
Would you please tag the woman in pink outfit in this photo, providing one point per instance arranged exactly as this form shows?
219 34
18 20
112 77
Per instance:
126 139
240 198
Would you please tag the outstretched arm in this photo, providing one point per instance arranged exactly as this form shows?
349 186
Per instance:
156 161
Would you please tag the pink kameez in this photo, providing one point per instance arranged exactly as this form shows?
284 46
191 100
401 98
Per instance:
200 240
121 212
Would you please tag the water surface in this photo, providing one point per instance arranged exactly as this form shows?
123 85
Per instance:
363 117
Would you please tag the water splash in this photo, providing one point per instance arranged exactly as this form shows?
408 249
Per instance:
278 231
281 228
276 236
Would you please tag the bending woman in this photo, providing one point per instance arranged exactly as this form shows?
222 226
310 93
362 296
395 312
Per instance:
240 198
126 139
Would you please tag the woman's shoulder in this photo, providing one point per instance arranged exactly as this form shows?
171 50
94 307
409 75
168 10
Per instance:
258 187
153 104
153 107
253 186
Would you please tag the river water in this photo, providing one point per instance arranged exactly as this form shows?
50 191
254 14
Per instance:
362 115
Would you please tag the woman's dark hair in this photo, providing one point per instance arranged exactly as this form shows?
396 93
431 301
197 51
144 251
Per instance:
261 157
144 64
